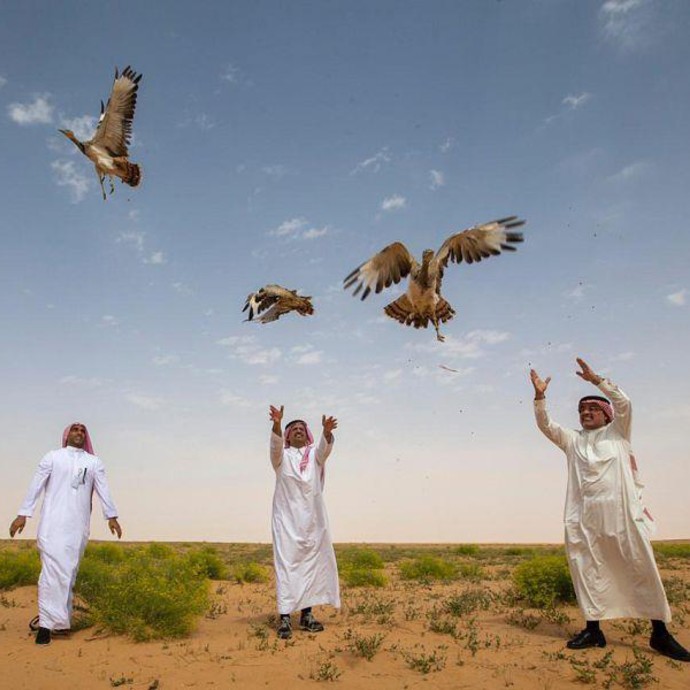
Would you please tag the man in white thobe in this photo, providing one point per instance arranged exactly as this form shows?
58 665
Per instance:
607 527
69 476
303 556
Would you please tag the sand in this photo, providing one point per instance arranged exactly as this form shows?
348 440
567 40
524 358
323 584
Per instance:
236 645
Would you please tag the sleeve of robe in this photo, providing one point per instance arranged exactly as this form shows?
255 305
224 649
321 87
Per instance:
100 486
276 450
554 432
323 450
622 420
38 483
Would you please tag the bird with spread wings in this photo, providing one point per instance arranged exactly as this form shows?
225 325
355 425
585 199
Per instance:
272 301
108 148
423 302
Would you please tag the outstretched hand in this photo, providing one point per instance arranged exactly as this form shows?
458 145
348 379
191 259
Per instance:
275 414
17 525
540 385
587 374
329 423
114 527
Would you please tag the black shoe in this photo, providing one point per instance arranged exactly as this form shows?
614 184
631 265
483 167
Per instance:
587 638
285 628
43 636
667 645
309 623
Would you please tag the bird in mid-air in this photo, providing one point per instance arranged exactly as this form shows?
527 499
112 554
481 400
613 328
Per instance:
423 302
272 301
108 148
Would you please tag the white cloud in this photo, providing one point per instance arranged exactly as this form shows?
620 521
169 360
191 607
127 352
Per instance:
575 102
393 203
277 170
374 163
38 112
470 346
145 402
246 349
678 299
156 258
182 289
437 179
3 81
132 238
447 145
289 227
625 22
313 357
268 379
65 174
109 320
231 74
313 233
83 127
630 172
236 340
392 375
92 382
623 357
578 292
165 360
233 400
204 122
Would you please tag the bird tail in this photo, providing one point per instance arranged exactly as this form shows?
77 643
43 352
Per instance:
132 174
444 312
401 310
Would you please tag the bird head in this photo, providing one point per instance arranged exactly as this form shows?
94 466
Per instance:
427 256
70 135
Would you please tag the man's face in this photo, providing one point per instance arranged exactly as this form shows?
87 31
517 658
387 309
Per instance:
297 435
76 436
591 416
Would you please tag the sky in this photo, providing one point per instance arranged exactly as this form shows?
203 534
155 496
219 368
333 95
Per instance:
287 143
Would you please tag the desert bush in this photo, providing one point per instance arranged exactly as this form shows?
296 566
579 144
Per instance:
152 593
363 645
424 663
105 553
427 568
471 571
19 568
467 602
467 550
362 568
667 550
250 572
208 562
544 581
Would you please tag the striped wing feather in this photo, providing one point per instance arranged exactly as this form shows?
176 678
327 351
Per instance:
390 265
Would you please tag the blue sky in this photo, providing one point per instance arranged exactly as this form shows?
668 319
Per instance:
288 142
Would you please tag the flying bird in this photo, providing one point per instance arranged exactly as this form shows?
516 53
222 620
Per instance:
108 148
272 301
423 302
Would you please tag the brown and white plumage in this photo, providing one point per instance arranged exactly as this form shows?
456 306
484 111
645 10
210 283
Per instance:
108 149
275 301
423 302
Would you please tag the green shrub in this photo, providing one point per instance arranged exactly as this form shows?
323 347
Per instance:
361 558
208 562
152 593
666 550
106 553
471 571
467 550
19 568
467 602
250 572
362 568
427 568
544 581
360 577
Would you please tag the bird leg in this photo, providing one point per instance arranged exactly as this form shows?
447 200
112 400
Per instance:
112 185
439 337
100 180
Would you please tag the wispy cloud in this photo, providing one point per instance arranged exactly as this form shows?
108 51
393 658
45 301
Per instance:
137 240
3 81
65 174
626 23
437 179
393 203
373 163
231 399
630 172
677 299
247 349
144 402
306 355
92 382
231 74
447 145
157 258
578 292
165 360
133 238
470 346
299 228
204 122
40 111
268 379
109 320
575 102
277 170
83 127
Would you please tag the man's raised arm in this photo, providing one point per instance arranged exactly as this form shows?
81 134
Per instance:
276 416
554 432
323 450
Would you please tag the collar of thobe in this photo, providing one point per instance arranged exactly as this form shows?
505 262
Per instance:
74 449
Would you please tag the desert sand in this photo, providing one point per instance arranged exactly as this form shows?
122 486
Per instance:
235 645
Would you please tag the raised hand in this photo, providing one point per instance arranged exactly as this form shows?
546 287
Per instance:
587 374
275 414
329 423
540 385
17 525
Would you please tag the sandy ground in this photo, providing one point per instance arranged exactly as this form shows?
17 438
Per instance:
236 646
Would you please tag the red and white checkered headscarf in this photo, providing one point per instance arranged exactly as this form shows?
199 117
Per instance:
602 403
87 439
310 442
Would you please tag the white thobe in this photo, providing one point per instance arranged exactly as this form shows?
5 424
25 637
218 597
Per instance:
607 529
69 477
303 556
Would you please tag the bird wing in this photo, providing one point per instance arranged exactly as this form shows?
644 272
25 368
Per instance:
480 242
268 297
114 130
390 265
